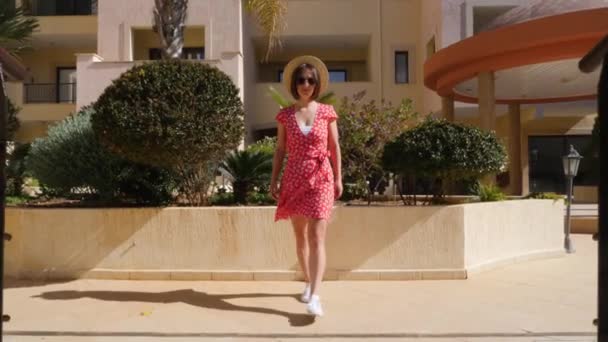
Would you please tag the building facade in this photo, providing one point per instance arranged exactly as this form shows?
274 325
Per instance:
382 47
512 67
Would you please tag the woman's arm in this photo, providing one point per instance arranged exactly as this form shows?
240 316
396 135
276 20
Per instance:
336 157
277 162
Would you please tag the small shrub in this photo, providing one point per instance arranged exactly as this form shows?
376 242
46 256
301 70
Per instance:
226 198
267 146
71 158
174 114
247 170
354 191
17 200
490 193
365 129
544 195
443 151
260 198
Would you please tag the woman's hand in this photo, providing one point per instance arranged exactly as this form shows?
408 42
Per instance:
338 189
274 190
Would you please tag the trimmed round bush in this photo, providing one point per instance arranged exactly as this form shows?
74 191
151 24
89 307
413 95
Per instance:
71 157
176 114
438 148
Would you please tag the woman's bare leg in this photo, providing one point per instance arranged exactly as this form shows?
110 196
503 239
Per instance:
316 241
300 229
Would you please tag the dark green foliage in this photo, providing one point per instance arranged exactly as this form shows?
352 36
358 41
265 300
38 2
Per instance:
247 170
365 128
438 148
490 193
444 151
13 123
175 114
16 170
71 159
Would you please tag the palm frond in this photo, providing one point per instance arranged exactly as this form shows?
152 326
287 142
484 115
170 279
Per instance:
328 98
278 97
247 166
271 18
16 28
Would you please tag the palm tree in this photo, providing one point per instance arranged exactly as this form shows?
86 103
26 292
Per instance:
16 28
170 18
271 18
15 31
169 22
247 169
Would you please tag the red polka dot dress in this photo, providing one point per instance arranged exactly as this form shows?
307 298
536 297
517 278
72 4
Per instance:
307 186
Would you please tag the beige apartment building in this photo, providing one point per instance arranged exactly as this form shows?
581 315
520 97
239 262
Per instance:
379 46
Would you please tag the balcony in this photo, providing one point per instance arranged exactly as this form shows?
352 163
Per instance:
61 7
49 93
42 104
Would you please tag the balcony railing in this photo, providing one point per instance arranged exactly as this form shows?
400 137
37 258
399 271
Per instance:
60 7
50 93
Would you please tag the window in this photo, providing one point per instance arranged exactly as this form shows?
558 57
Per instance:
187 53
263 133
61 7
193 53
401 67
66 85
545 159
335 75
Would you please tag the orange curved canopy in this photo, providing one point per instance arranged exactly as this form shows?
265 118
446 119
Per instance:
554 38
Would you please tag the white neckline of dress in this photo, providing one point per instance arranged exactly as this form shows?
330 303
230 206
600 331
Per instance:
305 129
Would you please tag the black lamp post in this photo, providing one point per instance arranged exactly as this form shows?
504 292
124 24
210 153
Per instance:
571 162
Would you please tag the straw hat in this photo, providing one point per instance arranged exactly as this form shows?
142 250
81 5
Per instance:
312 60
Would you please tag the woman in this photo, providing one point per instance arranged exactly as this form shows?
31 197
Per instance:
308 131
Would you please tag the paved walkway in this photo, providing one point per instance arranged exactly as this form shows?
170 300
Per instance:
544 300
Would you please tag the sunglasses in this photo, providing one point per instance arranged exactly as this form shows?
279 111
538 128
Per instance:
310 80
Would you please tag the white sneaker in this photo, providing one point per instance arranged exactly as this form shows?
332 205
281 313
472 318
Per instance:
314 306
305 297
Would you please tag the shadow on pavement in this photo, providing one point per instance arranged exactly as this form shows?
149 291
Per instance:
189 296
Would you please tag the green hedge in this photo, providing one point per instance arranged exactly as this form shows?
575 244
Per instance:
70 158
438 148
442 151
180 115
